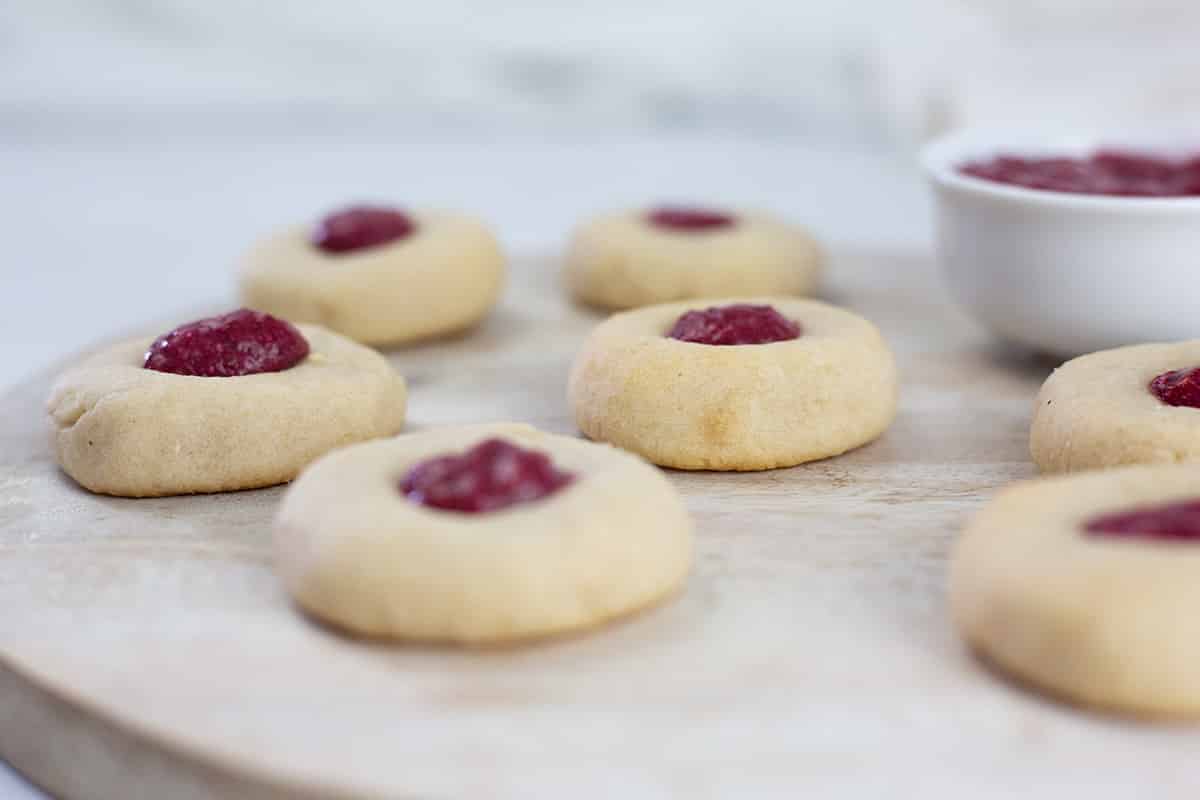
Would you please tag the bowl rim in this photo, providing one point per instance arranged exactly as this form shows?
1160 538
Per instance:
941 156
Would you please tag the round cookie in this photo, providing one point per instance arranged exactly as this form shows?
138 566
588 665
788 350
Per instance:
687 405
441 274
626 260
1099 410
1084 586
356 552
126 430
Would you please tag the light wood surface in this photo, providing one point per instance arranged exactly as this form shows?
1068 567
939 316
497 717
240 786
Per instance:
146 649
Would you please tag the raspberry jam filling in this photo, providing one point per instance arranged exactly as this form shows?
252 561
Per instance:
492 475
1179 521
360 227
242 342
740 323
1178 388
691 220
1108 172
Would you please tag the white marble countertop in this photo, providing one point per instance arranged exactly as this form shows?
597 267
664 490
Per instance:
106 232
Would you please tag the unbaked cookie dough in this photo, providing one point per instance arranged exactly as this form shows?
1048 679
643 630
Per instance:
367 541
689 405
1086 585
637 258
377 275
124 429
1104 410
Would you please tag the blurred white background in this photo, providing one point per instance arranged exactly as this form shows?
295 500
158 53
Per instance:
857 70
144 143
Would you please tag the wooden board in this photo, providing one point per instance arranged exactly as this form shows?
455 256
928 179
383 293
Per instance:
148 651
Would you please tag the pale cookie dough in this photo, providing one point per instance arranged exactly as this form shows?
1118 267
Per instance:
1100 620
743 407
1097 411
622 261
441 279
355 552
124 430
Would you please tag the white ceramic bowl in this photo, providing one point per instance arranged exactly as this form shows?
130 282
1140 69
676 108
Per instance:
1065 273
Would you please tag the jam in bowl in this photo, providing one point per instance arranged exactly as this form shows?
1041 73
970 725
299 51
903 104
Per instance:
1066 246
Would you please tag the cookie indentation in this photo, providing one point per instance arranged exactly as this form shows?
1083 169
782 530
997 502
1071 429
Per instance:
690 220
361 227
1179 521
739 323
242 342
492 475
1178 388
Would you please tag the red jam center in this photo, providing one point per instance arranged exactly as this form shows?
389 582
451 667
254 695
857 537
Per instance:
740 323
492 475
242 342
360 227
1110 172
1178 388
1171 521
690 219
